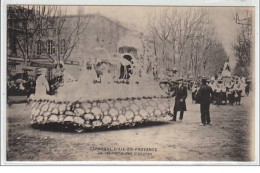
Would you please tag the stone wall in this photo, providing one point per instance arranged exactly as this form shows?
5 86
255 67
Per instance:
91 114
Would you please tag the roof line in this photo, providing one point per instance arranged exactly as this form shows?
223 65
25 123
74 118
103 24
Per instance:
100 15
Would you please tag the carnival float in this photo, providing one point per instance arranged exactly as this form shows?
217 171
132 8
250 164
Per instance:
124 94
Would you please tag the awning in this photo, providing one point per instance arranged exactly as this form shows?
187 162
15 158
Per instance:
42 63
15 59
28 68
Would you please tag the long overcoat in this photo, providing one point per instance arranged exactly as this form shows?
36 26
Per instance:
204 95
180 93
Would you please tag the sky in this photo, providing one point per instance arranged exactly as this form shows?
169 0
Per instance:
135 17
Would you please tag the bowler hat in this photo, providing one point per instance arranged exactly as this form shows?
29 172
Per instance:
204 79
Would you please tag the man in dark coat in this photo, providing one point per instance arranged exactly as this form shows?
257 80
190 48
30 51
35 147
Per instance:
180 94
204 97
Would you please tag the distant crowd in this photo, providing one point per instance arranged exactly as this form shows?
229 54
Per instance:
226 90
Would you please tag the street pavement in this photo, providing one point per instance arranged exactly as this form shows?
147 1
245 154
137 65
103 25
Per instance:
230 138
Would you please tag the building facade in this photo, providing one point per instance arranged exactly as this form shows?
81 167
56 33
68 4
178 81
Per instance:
71 46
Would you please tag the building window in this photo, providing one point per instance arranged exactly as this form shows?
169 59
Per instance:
62 46
38 48
50 47
12 45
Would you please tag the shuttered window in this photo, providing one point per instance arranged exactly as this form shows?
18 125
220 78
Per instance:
50 47
38 48
62 46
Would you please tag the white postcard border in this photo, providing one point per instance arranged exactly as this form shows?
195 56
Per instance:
254 3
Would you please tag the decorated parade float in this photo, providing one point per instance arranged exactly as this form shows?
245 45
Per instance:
227 87
124 94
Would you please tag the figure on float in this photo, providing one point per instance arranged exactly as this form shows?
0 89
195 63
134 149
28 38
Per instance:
226 70
42 85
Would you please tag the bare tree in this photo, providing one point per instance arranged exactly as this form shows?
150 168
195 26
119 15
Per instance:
216 56
186 25
160 27
243 46
27 24
201 42
66 33
187 34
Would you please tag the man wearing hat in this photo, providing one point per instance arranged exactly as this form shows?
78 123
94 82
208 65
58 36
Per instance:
204 97
180 94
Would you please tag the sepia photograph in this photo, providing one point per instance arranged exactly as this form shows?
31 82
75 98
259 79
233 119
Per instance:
129 83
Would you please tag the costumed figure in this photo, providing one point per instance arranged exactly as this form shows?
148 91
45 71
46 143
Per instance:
226 70
212 84
218 92
106 78
238 92
42 85
230 92
194 91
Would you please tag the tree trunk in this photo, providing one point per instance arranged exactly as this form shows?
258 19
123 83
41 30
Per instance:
154 46
195 67
58 46
204 68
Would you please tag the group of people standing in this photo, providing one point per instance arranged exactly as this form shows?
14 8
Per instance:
229 90
207 92
204 96
20 84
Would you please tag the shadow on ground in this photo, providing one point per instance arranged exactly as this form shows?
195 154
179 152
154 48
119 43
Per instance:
70 128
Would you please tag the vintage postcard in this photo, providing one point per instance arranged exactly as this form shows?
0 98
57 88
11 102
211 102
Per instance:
105 84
